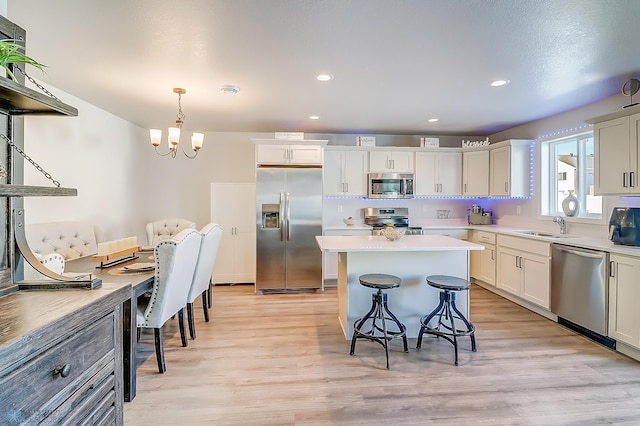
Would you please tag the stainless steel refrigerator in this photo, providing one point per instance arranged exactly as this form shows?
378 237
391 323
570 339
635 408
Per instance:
289 216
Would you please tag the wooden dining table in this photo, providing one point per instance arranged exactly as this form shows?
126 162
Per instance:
141 282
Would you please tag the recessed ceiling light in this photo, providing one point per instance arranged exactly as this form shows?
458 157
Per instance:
499 83
324 77
433 120
314 117
230 89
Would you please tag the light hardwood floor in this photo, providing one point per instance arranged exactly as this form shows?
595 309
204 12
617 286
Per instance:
281 359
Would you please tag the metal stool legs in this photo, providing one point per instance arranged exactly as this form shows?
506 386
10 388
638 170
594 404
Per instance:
379 314
447 312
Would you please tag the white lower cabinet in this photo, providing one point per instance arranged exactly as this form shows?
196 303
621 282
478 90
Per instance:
330 260
483 262
624 300
523 269
233 206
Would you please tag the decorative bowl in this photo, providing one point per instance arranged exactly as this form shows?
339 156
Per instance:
350 222
393 234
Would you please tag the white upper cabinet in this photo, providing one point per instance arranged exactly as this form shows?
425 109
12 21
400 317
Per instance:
616 156
289 154
438 173
391 161
345 172
509 169
475 173
616 163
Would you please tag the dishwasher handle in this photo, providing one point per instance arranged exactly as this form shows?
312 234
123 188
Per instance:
577 252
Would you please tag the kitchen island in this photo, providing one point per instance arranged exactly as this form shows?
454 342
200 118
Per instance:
412 258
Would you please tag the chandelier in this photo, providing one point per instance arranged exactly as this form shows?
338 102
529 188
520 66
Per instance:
175 134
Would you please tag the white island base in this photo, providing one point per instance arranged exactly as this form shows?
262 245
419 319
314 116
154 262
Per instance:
413 258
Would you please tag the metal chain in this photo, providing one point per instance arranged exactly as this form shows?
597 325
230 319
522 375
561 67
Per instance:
38 85
20 151
30 160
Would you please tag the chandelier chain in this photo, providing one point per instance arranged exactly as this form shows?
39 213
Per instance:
38 85
30 160
181 115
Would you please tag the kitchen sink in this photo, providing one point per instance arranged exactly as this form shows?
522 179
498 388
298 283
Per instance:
544 234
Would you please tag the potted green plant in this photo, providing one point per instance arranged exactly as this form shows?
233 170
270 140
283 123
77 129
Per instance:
13 53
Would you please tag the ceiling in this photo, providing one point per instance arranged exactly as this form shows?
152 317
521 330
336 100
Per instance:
395 63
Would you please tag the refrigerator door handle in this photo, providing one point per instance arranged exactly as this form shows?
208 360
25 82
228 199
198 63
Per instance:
281 213
288 217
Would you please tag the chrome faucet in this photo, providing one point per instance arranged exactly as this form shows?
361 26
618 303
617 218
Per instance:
563 224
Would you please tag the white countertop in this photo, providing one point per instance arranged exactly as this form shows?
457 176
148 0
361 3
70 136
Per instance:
573 240
359 243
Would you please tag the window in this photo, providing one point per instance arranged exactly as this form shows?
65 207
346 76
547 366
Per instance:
569 169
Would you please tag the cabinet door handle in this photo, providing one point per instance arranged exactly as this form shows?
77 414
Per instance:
465 187
631 175
612 266
62 370
506 187
346 186
624 179
492 255
290 154
393 164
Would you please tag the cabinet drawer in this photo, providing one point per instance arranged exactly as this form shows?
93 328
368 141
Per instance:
484 237
525 244
32 385
90 401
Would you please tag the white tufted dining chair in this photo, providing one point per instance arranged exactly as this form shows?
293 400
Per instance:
175 265
166 228
211 235
54 261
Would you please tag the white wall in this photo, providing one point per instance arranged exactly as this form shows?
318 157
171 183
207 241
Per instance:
122 184
97 153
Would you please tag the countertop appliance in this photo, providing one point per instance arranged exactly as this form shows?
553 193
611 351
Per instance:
289 216
478 216
378 218
624 226
579 290
390 185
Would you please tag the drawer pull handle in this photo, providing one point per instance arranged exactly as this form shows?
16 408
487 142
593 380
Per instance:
63 371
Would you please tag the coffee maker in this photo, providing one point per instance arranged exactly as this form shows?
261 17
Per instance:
478 216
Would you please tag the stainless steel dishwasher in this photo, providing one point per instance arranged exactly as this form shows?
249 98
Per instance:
579 290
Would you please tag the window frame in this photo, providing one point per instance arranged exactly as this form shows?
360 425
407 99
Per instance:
549 185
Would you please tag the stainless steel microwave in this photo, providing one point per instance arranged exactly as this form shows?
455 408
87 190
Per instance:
390 185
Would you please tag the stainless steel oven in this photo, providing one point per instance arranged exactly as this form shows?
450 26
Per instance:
390 185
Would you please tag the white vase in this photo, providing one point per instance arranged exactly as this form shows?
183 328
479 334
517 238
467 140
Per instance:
570 205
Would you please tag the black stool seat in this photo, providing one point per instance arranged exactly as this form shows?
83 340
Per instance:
379 315
447 313
446 282
380 281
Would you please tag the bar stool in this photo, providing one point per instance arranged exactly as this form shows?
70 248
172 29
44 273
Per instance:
447 311
379 314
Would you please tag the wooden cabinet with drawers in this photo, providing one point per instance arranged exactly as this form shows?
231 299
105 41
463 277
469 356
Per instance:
62 356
